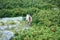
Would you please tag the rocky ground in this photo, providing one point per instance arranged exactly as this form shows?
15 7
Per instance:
8 27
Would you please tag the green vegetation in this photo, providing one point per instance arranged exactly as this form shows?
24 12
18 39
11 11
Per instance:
45 14
10 22
1 23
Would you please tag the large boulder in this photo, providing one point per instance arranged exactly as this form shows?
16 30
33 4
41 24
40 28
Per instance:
7 35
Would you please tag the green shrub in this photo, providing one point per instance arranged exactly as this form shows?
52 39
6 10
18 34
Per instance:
47 17
38 33
18 12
